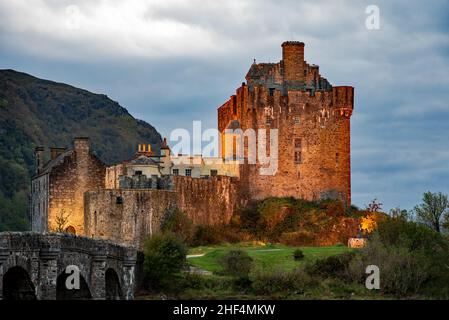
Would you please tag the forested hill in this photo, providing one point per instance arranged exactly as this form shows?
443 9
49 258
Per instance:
36 112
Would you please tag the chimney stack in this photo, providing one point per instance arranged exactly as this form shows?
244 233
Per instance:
293 62
39 158
55 152
81 144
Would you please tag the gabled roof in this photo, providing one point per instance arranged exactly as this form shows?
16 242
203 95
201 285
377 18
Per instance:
55 162
143 159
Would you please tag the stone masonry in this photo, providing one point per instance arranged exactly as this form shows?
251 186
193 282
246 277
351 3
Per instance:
313 123
33 266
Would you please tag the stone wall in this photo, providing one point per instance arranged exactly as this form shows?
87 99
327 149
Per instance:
39 202
44 257
126 216
209 201
313 123
77 173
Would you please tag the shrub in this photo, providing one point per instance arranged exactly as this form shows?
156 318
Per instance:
298 255
205 235
165 255
279 281
178 223
331 267
237 263
399 232
402 272
411 258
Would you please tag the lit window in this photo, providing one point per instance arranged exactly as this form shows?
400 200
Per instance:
188 172
175 172
297 120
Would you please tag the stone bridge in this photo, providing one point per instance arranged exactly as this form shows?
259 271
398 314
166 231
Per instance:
34 266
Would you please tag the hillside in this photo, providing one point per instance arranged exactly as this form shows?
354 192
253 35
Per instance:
36 112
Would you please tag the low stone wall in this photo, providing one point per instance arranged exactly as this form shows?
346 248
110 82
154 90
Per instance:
356 242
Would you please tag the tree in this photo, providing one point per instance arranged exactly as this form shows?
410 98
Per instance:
374 206
177 222
237 263
399 213
165 255
433 210
61 220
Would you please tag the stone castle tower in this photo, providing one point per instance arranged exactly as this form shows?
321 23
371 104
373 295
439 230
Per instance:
313 122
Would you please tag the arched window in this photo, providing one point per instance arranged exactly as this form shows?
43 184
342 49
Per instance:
70 229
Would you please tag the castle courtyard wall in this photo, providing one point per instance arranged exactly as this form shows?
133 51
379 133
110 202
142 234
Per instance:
209 201
126 216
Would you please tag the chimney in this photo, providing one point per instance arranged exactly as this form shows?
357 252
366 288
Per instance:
81 144
55 152
39 157
165 150
164 144
144 149
293 61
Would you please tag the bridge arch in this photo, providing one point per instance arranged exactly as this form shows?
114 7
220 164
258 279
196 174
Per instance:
113 285
17 285
64 293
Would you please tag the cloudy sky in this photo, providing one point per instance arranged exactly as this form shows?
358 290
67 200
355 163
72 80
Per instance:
170 62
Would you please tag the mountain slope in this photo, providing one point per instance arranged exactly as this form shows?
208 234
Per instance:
36 112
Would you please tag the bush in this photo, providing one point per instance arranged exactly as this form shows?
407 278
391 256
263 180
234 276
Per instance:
412 259
399 232
331 267
298 255
279 281
205 235
237 263
402 272
165 255
178 223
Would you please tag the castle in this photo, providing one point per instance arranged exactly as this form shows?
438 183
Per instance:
128 201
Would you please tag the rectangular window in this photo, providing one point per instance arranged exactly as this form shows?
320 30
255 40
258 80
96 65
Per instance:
188 172
298 143
271 92
138 173
297 157
267 120
176 172
213 173
337 158
297 120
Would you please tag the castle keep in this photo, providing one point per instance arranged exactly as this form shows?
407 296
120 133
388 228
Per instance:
128 201
313 122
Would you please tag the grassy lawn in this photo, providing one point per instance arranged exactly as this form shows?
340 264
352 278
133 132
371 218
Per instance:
265 256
